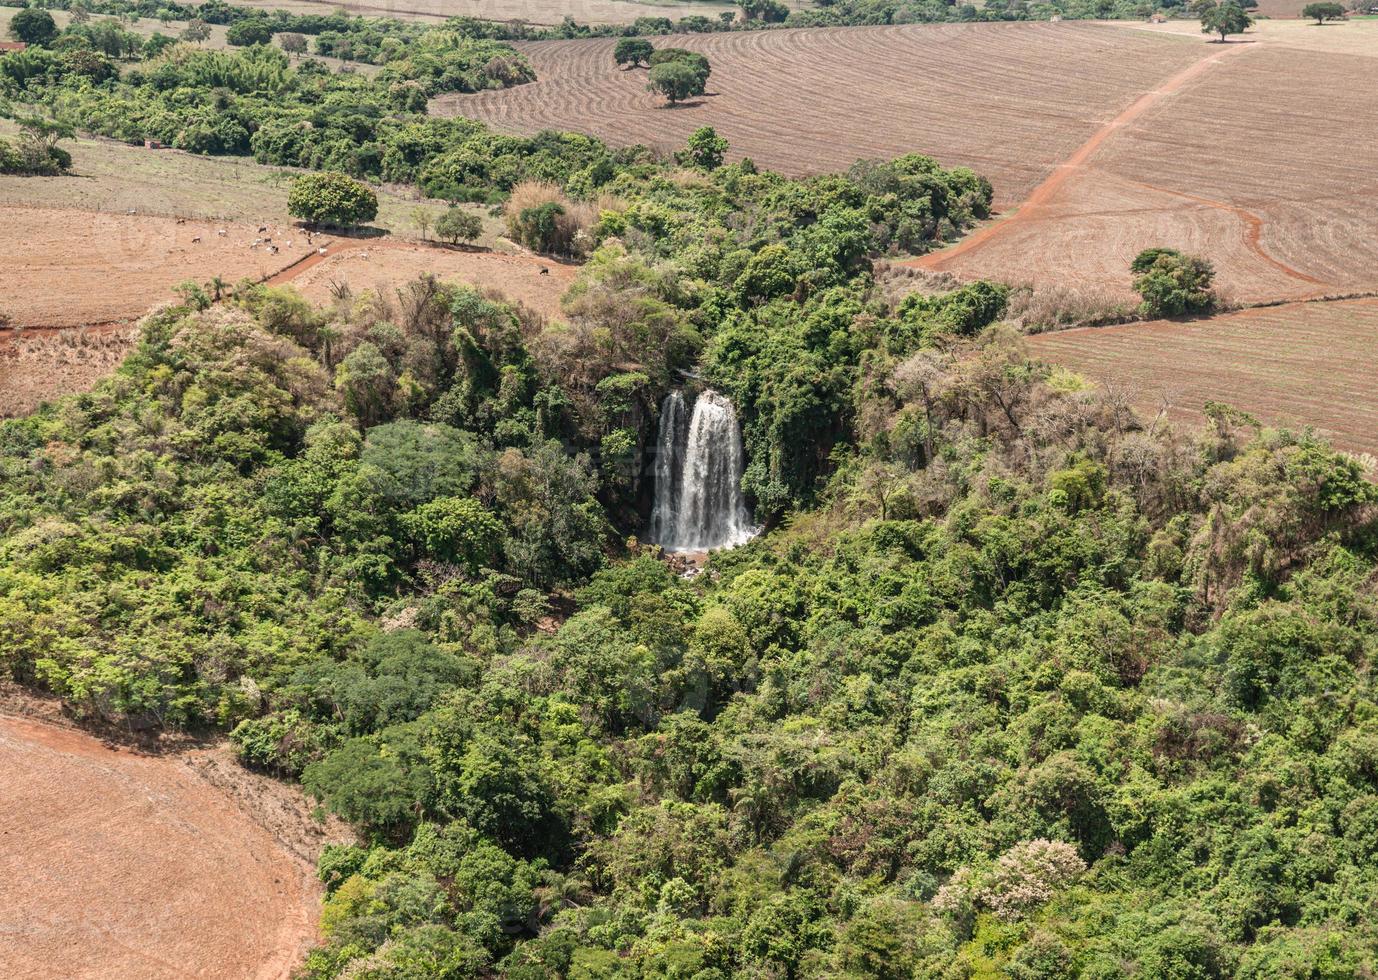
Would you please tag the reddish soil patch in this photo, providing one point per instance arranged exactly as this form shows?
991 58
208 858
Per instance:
66 268
120 864
381 266
1297 365
1009 100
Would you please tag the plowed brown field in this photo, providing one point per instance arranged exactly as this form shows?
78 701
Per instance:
1009 100
1250 162
1301 364
121 865
62 268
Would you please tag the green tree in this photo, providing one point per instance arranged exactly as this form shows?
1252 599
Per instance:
705 149
251 30
676 81
457 225
292 42
769 11
1171 283
632 52
1322 12
1225 19
458 530
33 26
196 31
422 217
332 199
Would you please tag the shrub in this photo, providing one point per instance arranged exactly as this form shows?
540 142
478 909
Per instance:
457 225
332 199
543 219
254 30
704 149
632 52
1171 283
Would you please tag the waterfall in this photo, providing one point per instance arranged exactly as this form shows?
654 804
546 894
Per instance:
698 476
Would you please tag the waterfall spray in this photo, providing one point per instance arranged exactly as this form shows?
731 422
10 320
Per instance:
698 476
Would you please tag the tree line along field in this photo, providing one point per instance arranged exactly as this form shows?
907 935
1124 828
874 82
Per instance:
1008 100
1301 364
536 12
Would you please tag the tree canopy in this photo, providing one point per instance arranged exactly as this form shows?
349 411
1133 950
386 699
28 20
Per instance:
332 199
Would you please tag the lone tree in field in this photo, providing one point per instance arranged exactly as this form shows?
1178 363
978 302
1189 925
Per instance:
457 225
1323 12
293 43
331 199
678 74
1225 19
33 26
196 31
1172 283
633 52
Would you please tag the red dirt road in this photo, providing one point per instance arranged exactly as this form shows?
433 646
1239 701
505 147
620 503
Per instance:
115 864
1044 193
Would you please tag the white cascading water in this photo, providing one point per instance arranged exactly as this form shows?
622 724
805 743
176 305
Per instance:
698 477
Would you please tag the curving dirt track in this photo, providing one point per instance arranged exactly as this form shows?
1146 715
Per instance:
1045 193
116 864
1252 164
1009 100
77 282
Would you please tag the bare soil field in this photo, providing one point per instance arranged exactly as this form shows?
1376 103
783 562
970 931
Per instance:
1295 365
146 866
1250 162
385 266
40 367
64 268
539 12
1009 100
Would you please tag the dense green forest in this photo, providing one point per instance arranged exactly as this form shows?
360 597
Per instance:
1015 684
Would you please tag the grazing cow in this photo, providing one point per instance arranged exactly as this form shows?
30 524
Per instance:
262 228
196 240
221 232
180 221
272 250
321 250
545 271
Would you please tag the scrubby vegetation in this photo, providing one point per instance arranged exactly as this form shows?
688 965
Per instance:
1014 685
